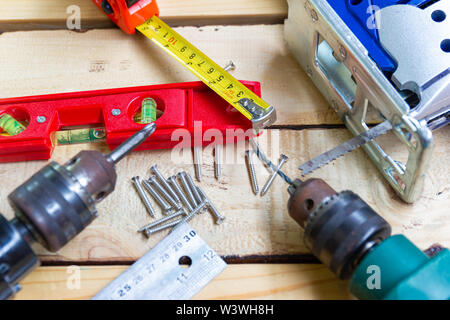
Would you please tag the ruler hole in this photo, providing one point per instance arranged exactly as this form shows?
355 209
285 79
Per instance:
185 261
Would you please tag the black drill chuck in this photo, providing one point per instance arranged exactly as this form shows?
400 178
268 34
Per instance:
340 228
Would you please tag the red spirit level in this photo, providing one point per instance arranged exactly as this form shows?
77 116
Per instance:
181 104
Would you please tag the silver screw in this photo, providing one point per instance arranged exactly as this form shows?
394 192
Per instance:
149 232
219 218
41 119
193 188
173 181
187 189
218 160
251 169
187 218
116 112
191 214
164 183
169 217
274 175
143 196
162 203
197 163
159 188
230 66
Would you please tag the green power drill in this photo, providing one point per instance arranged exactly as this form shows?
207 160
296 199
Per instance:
349 237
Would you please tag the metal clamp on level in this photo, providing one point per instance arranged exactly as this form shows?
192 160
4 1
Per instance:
349 63
261 117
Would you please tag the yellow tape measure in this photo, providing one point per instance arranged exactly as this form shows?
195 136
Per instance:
230 89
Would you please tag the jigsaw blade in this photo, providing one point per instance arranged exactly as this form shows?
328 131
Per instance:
344 148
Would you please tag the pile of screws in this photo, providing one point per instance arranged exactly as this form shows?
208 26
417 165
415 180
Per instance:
276 170
178 203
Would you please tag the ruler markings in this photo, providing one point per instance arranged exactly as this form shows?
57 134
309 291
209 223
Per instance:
158 274
201 65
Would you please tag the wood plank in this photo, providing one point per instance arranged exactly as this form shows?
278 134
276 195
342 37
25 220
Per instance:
46 14
256 281
254 225
42 62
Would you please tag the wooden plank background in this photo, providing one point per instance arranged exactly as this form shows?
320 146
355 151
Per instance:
256 281
257 229
45 14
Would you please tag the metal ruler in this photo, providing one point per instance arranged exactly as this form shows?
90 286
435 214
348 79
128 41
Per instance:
239 96
158 275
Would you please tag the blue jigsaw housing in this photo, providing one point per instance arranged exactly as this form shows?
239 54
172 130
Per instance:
359 15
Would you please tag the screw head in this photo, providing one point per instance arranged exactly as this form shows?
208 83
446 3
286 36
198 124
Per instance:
314 15
343 52
116 112
3 268
230 67
41 119
284 157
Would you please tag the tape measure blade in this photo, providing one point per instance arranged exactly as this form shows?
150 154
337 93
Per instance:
158 274
225 85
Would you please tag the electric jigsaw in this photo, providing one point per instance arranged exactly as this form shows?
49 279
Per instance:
391 57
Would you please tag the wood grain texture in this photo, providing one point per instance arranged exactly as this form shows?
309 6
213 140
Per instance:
50 14
255 281
43 62
254 225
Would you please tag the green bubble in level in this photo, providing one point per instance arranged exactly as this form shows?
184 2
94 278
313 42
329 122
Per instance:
11 125
80 136
148 111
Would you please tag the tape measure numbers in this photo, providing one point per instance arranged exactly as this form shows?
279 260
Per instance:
230 89
158 275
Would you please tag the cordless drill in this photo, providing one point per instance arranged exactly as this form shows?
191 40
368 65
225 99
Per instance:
55 205
354 242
